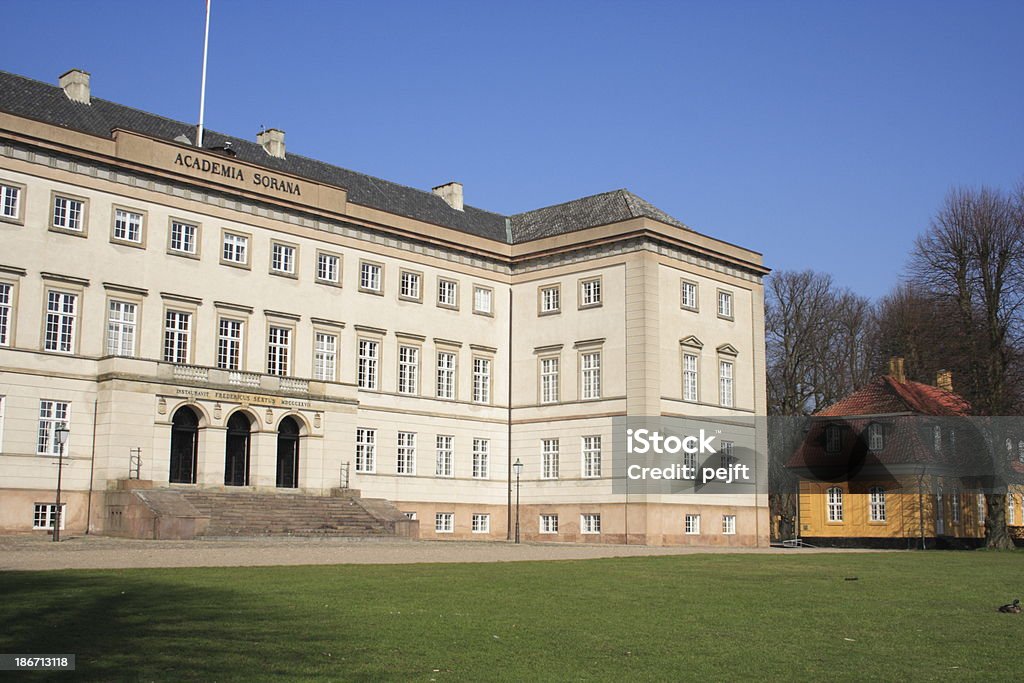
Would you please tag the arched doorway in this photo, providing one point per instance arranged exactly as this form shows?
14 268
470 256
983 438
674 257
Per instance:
288 454
184 446
236 450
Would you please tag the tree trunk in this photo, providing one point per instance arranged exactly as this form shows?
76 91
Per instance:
997 536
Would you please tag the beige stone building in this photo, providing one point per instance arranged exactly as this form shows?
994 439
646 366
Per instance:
243 318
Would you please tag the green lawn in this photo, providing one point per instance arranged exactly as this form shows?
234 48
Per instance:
714 617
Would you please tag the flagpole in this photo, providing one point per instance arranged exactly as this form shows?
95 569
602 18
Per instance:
202 90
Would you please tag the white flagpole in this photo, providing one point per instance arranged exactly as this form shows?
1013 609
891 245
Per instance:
202 90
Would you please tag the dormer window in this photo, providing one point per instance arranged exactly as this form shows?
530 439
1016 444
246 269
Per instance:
937 438
833 439
876 437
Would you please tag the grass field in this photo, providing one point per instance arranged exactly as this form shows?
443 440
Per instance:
921 616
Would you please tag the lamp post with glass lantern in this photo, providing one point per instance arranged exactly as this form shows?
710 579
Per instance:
518 467
61 434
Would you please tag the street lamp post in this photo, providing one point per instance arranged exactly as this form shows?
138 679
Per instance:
518 467
61 434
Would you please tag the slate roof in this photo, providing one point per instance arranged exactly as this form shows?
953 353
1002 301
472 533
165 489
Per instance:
47 103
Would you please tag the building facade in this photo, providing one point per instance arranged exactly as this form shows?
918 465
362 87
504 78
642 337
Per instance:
238 317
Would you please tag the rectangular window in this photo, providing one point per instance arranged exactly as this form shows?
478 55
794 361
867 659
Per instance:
835 504
444 522
692 525
549 449
177 335
410 285
550 299
328 268
445 456
688 295
981 508
229 344
279 350
689 377
483 300
729 525
446 375
876 501
325 354
725 383
481 523
447 293
481 380
184 237
876 440
61 311
590 366
549 380
590 524
235 249
724 304
127 226
370 277
369 351
481 458
51 415
726 454
6 307
121 318
366 450
411 515
592 456
549 524
45 515
406 453
408 369
10 201
68 214
954 503
590 292
282 258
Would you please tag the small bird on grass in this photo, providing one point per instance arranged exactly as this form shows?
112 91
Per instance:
1012 608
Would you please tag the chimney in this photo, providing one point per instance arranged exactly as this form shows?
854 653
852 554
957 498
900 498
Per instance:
76 85
896 369
451 193
944 380
272 142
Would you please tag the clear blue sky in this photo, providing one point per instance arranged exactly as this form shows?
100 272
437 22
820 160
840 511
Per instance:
823 134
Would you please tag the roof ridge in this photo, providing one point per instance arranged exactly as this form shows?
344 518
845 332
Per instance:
566 203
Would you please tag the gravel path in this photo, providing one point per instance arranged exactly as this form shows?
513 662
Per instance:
98 552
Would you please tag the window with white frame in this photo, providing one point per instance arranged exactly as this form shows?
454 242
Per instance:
68 214
184 237
446 375
724 304
483 300
61 312
51 415
408 369
1011 507
725 383
726 453
937 438
444 522
590 367
121 321
177 336
229 344
688 295
981 508
549 451
549 524
411 515
590 292
282 258
328 268
481 380
549 380
325 357
406 453
876 504
591 456
410 285
590 523
6 306
876 439
45 514
127 225
279 350
447 293
835 504
371 277
692 526
690 462
366 450
481 458
235 249
481 523
10 201
550 299
954 502
444 464
690 377
369 357
728 525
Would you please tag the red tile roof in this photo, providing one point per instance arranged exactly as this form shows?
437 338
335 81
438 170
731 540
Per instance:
887 395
